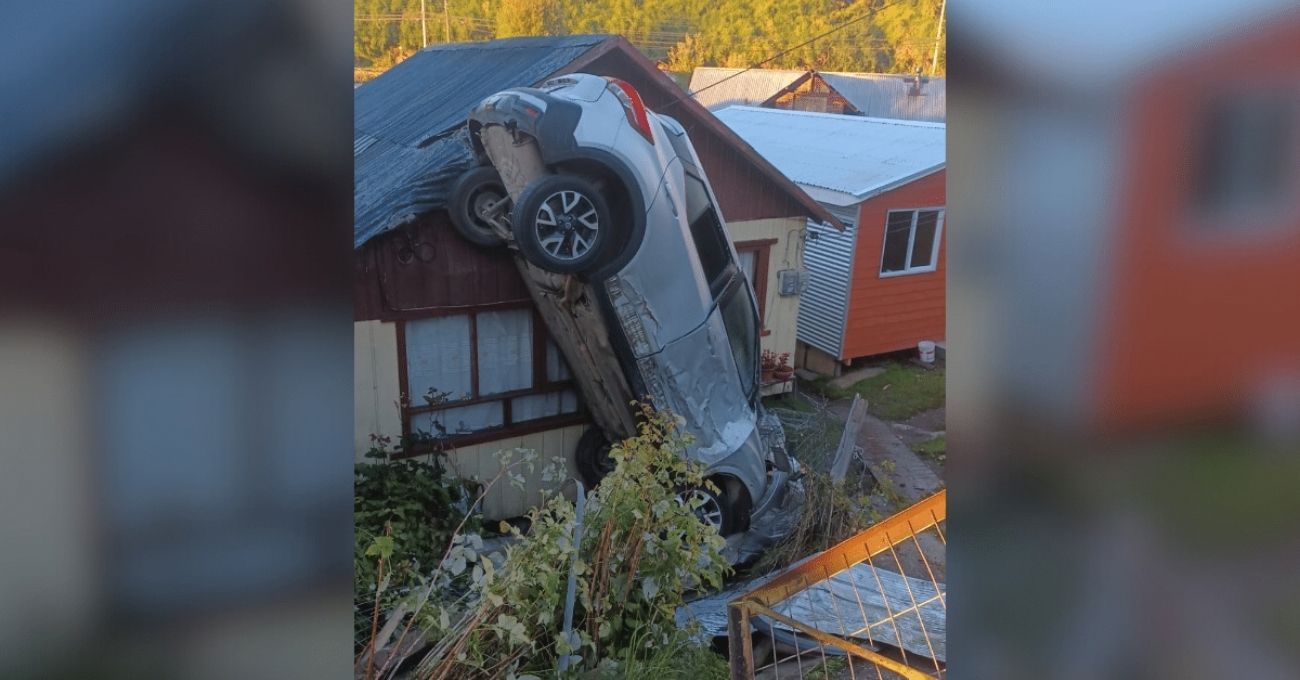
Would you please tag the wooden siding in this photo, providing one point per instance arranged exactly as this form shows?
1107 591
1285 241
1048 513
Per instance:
426 268
894 313
811 93
1199 315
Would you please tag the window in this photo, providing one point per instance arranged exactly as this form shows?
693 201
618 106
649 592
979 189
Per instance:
742 333
1247 154
753 258
492 371
911 241
706 231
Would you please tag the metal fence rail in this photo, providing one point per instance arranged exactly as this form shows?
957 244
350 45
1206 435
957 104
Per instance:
873 606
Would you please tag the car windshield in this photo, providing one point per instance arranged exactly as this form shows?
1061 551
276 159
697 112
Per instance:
742 332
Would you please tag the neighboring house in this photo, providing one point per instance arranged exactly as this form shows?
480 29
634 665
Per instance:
1150 244
875 95
434 311
878 286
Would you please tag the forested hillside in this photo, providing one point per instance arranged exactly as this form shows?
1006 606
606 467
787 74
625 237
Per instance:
898 38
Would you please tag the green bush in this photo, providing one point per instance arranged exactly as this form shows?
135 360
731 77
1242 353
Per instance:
404 512
641 550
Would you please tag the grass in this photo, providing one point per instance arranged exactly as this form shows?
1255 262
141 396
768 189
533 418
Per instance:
789 401
936 448
899 393
678 657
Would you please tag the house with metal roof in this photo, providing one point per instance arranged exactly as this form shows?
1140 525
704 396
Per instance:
875 95
430 308
878 286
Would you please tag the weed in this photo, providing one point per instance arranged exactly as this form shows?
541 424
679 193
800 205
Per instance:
902 391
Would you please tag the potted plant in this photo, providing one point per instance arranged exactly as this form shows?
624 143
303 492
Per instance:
769 364
783 370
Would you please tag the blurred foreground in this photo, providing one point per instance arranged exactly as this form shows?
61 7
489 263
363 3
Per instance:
175 351
1124 378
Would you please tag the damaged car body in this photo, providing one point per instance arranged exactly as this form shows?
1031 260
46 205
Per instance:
625 206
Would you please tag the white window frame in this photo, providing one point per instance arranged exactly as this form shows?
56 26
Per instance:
911 241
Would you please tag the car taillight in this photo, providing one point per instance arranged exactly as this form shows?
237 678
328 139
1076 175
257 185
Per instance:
632 106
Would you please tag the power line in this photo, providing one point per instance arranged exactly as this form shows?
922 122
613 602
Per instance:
805 43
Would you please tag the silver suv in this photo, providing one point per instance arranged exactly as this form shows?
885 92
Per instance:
625 205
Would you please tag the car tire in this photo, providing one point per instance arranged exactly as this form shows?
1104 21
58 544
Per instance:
728 511
592 457
562 224
474 192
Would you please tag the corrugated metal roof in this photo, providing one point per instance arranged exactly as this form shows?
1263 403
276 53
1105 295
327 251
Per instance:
410 142
726 88
854 156
884 95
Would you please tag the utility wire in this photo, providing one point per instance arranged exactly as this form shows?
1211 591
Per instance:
870 13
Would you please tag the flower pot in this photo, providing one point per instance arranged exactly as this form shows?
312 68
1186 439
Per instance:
767 375
783 373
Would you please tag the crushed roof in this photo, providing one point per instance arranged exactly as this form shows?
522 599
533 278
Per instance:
853 156
736 86
410 141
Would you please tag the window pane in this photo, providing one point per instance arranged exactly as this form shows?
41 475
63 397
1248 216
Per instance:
460 420
747 260
557 368
897 230
706 230
535 406
1245 159
927 223
438 357
505 351
742 332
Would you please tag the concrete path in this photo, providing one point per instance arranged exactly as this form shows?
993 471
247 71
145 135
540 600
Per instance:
892 462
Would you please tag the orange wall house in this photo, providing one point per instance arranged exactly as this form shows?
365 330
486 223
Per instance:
894 312
1139 229
1209 278
878 286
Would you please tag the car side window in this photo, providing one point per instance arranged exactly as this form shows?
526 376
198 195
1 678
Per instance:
742 333
706 231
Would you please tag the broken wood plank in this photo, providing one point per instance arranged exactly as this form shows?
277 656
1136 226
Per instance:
567 306
849 440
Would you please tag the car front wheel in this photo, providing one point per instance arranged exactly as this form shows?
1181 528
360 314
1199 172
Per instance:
728 512
562 224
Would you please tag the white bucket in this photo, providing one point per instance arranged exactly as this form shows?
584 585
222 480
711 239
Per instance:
926 348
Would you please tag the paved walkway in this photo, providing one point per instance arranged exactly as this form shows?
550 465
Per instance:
891 461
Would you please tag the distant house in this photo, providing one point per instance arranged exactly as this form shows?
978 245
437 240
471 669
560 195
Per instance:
875 95
1158 191
434 311
878 286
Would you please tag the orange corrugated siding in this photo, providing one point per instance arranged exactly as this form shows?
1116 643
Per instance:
889 314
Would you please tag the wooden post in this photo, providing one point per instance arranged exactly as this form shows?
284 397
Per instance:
848 441
567 305
740 649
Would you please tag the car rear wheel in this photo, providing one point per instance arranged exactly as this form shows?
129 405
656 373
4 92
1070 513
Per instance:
479 206
592 457
562 224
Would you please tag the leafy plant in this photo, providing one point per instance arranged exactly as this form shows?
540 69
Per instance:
640 549
404 513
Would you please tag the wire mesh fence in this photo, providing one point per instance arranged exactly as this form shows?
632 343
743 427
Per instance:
873 606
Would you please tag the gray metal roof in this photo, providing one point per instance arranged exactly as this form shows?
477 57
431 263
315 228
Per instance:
410 141
850 157
728 86
887 95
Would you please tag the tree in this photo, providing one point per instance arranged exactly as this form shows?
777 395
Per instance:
529 17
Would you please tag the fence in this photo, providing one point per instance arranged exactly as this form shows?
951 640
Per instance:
873 606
